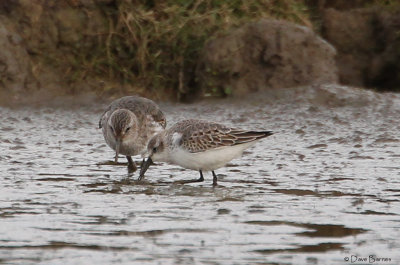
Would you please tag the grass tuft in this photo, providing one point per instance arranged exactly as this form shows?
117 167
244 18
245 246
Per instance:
155 44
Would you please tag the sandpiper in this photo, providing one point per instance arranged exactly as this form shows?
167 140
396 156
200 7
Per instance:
129 123
199 145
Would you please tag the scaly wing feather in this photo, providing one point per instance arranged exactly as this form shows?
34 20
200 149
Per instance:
201 135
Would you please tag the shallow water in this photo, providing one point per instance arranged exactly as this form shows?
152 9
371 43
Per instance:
324 188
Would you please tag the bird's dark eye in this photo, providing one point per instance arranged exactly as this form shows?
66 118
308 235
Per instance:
127 129
154 149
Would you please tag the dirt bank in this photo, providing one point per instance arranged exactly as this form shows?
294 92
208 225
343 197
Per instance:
167 50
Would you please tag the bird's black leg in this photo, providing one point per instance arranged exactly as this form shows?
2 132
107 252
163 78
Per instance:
131 165
214 178
201 179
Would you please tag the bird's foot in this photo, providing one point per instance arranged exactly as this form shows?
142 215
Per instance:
131 165
131 168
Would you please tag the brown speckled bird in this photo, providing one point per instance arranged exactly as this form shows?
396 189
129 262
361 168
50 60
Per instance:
128 124
199 145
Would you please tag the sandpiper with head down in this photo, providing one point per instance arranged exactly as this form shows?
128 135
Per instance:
129 123
199 145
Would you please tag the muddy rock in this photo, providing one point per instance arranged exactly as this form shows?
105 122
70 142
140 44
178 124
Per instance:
353 38
384 71
265 54
15 65
42 39
368 45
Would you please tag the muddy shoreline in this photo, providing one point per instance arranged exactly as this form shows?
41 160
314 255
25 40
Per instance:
324 187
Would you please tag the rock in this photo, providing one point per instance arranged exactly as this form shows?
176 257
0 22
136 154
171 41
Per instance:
353 38
15 66
265 54
51 35
368 45
384 69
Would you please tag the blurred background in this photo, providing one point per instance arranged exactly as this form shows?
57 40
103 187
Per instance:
186 49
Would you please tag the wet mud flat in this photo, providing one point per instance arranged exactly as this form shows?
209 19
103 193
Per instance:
324 188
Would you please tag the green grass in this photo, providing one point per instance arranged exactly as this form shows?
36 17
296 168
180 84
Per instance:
154 46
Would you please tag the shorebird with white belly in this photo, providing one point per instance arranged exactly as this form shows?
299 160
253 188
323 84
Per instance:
199 145
128 124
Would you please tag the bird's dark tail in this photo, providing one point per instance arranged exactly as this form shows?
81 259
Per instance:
249 136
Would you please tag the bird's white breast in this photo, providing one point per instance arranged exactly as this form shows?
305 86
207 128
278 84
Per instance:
207 160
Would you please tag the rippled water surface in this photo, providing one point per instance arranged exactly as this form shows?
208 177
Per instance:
323 188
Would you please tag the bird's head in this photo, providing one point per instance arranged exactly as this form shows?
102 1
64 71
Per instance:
123 125
156 150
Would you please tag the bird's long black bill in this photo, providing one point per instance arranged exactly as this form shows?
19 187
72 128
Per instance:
145 165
